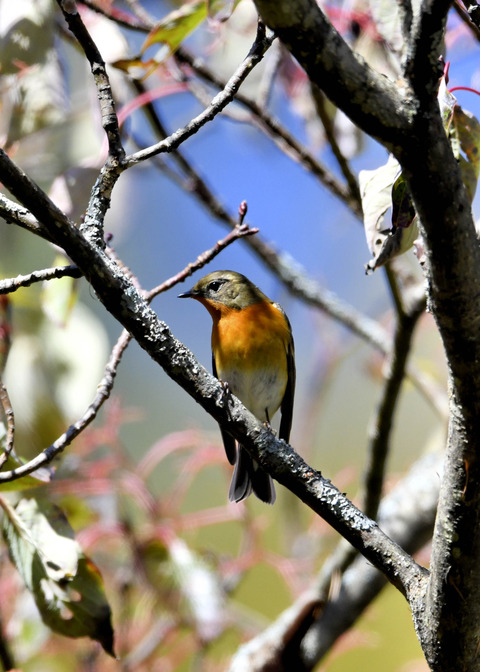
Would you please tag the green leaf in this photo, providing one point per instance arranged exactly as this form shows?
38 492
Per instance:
169 32
463 130
176 26
66 585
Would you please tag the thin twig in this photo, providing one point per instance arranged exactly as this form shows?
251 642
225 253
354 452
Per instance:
102 81
13 213
220 101
382 424
320 100
92 225
278 133
12 284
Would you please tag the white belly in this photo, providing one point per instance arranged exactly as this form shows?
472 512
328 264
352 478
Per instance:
260 390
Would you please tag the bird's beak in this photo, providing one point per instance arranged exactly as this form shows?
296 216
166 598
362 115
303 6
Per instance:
186 295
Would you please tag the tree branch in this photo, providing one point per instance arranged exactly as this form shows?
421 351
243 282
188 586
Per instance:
220 101
371 100
416 136
12 284
13 213
380 432
93 224
423 64
279 135
324 619
102 82
122 300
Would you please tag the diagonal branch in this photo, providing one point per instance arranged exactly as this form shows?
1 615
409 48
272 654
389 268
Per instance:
105 386
323 619
122 300
279 135
220 101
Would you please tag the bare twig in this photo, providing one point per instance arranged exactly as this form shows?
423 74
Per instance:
240 231
92 225
102 82
320 102
278 133
220 101
382 423
13 213
12 284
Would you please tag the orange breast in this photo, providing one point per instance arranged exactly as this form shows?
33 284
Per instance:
250 349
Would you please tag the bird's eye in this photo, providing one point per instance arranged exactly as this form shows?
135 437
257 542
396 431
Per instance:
215 285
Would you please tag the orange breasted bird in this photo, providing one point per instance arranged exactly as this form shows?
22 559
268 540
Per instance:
252 352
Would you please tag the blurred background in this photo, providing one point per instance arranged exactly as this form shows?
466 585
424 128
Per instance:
62 336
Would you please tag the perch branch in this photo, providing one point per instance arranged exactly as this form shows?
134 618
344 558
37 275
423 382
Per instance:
106 384
127 306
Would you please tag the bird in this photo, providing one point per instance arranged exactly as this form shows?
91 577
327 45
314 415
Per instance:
253 354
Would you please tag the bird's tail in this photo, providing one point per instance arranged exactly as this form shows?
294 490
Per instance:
249 477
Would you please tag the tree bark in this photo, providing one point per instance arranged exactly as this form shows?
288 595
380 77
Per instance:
405 117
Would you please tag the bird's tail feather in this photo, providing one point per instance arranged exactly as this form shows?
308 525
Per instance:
249 477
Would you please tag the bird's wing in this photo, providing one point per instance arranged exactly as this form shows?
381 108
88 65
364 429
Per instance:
228 440
287 402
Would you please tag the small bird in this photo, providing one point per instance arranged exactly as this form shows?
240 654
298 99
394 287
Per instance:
253 353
